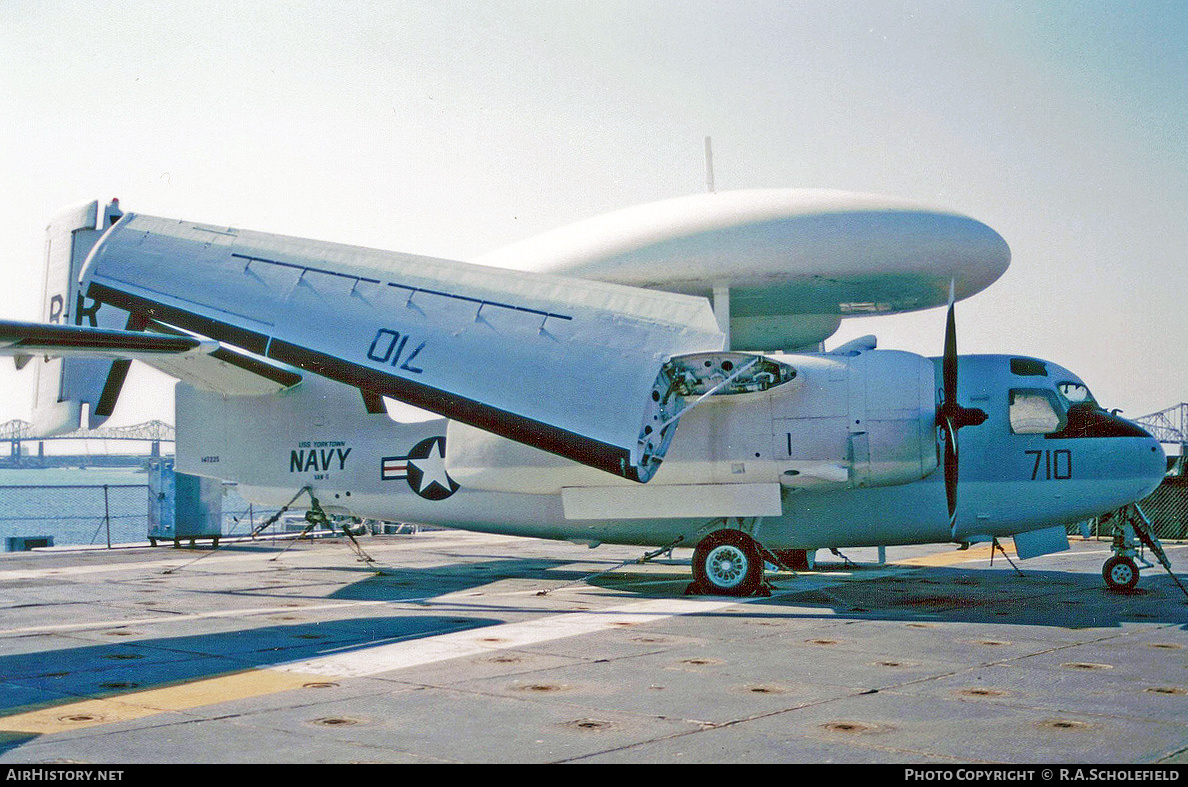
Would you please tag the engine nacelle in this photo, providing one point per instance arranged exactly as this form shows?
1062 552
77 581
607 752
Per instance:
860 420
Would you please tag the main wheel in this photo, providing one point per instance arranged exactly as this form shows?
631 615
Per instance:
1120 573
728 563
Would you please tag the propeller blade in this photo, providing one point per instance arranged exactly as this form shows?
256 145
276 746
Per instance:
947 408
951 473
951 416
949 364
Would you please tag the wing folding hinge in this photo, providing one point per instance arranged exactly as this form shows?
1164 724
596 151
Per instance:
688 381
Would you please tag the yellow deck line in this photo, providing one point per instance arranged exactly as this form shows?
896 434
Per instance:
368 661
285 677
980 552
138 704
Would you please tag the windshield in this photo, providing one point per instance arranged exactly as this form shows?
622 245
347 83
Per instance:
1076 393
1078 413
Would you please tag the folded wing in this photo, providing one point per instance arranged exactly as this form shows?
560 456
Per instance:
567 365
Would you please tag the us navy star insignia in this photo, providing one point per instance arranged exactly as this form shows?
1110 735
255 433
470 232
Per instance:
426 470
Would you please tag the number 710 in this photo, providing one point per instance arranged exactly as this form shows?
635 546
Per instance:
1051 465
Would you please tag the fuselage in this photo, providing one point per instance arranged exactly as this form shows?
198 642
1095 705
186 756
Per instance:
1046 454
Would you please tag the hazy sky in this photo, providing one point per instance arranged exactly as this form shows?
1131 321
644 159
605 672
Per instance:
451 128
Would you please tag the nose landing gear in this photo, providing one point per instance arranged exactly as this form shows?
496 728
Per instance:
1132 528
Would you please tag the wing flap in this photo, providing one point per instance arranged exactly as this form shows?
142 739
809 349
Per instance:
562 364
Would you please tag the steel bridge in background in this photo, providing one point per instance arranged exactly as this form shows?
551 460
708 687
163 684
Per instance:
17 432
1168 426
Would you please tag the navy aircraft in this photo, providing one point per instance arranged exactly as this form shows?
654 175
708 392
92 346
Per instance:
655 376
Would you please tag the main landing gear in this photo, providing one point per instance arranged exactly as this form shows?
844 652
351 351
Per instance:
730 562
727 563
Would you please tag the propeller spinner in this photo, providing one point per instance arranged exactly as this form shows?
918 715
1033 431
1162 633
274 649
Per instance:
951 416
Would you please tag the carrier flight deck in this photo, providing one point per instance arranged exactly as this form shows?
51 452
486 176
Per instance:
452 647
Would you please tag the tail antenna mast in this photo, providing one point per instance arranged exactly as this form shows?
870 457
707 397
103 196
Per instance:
709 165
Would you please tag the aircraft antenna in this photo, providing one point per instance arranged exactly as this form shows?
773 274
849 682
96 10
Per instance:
709 165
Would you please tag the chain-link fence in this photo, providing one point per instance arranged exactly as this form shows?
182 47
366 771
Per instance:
1167 508
75 514
101 514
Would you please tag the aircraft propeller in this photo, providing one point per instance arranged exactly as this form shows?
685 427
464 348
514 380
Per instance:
951 416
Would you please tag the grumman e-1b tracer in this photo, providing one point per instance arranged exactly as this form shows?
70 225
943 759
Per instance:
650 377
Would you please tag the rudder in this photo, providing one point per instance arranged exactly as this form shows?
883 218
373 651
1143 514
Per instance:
71 393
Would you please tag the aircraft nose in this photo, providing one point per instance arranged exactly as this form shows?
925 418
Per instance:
1153 460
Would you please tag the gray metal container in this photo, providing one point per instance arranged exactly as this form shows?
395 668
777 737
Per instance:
183 506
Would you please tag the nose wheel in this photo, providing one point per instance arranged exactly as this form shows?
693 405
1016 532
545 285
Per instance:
1120 573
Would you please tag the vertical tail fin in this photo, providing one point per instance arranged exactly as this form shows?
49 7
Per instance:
75 392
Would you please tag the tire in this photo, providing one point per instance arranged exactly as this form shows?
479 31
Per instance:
728 563
1120 573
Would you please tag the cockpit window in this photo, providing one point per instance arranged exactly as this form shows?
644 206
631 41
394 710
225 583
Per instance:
1075 393
1028 367
1035 411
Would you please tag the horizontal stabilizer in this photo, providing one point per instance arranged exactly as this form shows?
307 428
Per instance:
562 364
203 363
224 369
26 338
